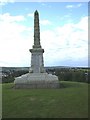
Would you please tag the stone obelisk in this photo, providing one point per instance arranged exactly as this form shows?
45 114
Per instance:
37 64
37 77
36 30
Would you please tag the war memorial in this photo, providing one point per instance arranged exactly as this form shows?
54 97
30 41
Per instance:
37 76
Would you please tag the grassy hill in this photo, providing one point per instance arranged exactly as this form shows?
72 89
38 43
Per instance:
70 101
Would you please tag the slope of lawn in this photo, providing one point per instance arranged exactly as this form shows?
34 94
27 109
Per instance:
70 101
0 101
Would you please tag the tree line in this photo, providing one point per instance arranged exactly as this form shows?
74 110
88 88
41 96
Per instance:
64 74
11 74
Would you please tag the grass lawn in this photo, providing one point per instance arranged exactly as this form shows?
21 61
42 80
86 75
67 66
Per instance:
0 101
70 101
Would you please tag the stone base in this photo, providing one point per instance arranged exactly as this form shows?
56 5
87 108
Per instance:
37 80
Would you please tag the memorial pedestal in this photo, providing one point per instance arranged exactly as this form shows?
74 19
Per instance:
37 80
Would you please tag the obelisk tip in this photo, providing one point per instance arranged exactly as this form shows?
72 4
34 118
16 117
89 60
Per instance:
36 12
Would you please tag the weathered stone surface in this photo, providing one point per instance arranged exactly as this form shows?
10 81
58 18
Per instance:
37 86
36 76
37 62
37 80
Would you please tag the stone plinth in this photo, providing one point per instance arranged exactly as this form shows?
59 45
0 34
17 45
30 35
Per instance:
37 80
37 65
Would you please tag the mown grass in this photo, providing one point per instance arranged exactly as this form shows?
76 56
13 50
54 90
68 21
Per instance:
70 101
0 101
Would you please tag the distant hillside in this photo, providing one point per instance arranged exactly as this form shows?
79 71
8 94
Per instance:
79 74
47 67
14 68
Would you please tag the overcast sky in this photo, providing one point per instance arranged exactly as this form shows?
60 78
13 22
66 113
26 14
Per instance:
63 33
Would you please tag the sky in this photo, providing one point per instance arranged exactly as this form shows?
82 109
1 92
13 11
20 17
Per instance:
63 33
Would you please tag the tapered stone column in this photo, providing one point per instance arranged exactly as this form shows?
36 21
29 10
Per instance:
37 63
36 31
